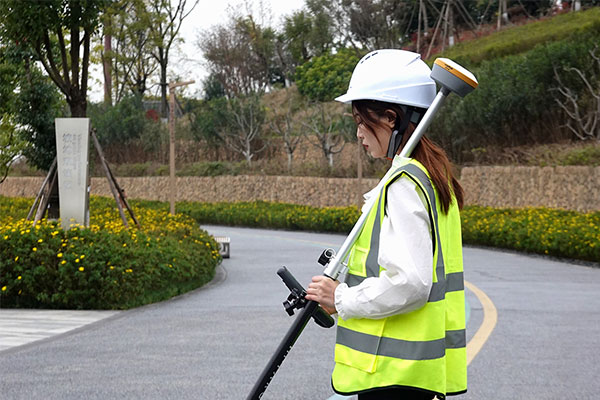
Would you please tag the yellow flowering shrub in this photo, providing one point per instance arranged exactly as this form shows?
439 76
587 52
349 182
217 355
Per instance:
273 215
104 266
553 232
547 231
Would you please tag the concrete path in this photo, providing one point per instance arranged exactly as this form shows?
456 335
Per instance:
20 327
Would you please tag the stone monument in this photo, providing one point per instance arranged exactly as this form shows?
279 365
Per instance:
72 144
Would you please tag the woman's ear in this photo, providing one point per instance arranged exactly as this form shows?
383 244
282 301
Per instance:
389 118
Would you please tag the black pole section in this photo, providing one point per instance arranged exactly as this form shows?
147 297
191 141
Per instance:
282 351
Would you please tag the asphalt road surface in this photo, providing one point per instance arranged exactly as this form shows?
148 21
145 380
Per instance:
214 342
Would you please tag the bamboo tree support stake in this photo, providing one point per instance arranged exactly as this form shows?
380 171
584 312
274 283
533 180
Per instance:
172 181
39 195
43 204
123 198
111 183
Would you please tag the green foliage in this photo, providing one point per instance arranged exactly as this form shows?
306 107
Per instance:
272 215
325 77
308 33
37 104
513 104
59 33
28 105
213 89
125 122
211 168
519 39
546 231
105 266
589 155
206 119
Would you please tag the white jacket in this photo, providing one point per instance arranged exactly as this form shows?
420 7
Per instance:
405 251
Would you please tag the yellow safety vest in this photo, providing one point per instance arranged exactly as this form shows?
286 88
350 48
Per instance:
425 348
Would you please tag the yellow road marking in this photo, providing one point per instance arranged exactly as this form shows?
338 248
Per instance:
490 317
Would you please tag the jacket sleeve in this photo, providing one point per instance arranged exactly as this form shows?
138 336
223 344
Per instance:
405 251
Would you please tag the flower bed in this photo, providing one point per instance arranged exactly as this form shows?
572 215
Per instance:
105 266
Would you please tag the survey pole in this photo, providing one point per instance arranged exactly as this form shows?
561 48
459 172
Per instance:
172 182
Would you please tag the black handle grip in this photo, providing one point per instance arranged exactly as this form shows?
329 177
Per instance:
321 317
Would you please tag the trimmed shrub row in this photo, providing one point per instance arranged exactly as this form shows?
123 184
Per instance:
553 232
261 214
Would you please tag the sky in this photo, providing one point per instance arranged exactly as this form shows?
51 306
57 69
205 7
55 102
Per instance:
187 59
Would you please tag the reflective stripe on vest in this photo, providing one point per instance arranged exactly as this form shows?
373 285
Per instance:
370 353
405 349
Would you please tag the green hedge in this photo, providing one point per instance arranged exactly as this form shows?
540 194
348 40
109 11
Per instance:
552 232
105 266
514 103
262 214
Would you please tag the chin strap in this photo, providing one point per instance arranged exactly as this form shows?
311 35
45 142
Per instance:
398 133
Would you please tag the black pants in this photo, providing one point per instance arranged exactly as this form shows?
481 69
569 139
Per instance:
396 394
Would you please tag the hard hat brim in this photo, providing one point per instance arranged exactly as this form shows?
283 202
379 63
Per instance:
348 99
345 98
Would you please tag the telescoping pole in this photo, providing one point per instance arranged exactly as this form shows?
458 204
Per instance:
282 351
296 300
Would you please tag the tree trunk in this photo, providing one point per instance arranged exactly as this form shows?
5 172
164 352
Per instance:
78 106
163 89
106 63
289 161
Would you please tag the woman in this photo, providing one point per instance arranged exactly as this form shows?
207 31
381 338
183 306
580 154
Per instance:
401 325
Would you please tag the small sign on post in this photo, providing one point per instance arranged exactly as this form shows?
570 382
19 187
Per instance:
224 242
72 141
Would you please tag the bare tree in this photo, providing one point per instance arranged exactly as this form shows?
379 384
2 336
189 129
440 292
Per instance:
242 126
329 129
284 125
584 111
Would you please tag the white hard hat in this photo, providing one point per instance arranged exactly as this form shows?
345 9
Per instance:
393 76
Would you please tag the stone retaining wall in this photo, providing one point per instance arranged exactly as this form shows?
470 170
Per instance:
321 192
574 188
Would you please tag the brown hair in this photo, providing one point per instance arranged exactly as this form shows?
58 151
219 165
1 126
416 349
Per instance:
432 156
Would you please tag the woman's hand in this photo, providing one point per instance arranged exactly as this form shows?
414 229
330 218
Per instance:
322 290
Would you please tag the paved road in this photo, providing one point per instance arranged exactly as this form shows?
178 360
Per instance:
214 342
